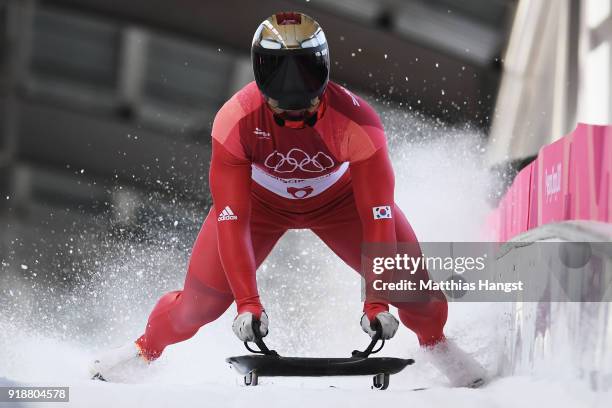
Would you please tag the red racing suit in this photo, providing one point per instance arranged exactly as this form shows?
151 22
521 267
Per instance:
266 177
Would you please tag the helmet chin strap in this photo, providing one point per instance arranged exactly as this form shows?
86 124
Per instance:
296 124
309 120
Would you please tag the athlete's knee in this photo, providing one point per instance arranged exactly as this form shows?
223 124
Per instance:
179 315
165 304
187 310
199 304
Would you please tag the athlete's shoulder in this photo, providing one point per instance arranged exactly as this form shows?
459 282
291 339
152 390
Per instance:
362 132
352 106
239 106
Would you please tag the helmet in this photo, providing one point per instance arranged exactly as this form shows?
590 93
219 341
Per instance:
290 61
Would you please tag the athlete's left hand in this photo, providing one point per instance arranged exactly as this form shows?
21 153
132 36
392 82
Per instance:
387 321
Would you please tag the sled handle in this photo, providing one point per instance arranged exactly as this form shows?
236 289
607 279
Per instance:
263 349
370 349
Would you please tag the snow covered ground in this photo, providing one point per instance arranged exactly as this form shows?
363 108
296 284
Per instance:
314 306
194 374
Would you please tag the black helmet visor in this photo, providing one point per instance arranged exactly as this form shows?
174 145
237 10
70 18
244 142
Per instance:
293 78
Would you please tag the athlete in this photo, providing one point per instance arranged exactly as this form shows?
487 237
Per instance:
290 150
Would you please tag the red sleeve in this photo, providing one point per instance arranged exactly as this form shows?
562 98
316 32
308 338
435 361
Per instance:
372 175
230 186
373 187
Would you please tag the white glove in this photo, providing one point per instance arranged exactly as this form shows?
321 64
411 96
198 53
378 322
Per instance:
243 326
387 321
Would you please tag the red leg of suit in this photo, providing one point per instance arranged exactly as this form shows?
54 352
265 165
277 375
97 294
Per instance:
206 294
343 236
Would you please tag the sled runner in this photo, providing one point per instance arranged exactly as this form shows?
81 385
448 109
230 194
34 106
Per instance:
268 363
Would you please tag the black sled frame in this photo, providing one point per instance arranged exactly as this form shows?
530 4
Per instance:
268 363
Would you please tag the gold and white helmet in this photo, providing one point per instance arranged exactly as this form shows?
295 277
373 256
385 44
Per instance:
290 61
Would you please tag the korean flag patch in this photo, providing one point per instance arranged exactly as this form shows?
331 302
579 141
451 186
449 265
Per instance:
382 212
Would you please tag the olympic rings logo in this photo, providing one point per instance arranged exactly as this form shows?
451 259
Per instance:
298 159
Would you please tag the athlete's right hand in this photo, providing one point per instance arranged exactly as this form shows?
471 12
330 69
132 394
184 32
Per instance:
246 324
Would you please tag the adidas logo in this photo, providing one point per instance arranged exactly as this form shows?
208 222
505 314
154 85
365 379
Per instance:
227 215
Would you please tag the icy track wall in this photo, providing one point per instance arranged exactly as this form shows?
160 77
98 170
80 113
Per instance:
563 195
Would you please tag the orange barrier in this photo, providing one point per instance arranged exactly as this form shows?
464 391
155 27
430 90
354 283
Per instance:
571 179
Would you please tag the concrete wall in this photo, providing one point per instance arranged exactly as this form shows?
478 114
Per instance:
570 339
